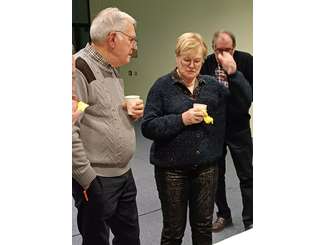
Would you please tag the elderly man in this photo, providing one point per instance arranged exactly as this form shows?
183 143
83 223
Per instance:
104 138
238 132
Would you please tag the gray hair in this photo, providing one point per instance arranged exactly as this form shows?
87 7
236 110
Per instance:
230 34
108 20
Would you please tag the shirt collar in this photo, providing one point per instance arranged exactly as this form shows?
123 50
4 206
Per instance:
97 56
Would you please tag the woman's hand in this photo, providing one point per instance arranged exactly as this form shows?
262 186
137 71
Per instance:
192 116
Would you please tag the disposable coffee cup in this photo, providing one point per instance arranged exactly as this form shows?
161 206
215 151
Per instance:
131 102
201 107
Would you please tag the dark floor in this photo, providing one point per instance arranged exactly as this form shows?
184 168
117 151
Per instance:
149 205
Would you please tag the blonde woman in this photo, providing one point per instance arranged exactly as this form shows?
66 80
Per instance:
185 148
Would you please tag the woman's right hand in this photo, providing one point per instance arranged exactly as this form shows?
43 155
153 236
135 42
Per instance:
192 116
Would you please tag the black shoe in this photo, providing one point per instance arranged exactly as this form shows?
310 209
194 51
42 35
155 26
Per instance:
221 223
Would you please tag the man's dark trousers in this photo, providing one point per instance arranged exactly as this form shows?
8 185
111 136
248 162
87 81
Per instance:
240 146
111 206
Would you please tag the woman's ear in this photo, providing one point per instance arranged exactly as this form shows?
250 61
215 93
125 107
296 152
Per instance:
178 61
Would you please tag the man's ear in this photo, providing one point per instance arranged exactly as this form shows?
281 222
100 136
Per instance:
111 39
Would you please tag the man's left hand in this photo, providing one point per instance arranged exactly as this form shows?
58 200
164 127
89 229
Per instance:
138 110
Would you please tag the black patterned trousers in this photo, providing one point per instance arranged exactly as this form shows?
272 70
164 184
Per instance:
178 189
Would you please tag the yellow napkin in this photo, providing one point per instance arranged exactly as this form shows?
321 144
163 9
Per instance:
82 106
207 118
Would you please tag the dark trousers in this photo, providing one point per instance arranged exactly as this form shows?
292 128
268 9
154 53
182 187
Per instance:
240 146
111 206
177 188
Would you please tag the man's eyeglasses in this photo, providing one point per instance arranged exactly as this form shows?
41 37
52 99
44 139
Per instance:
221 50
132 39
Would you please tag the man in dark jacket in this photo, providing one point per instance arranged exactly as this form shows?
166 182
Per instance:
238 133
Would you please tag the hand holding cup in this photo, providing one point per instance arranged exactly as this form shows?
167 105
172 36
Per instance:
135 106
193 115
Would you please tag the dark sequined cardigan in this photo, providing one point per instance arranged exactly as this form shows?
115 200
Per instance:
176 145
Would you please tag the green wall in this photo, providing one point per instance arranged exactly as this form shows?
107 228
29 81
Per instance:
159 23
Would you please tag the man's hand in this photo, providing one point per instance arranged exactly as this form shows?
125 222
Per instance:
227 62
137 110
75 112
192 116
124 106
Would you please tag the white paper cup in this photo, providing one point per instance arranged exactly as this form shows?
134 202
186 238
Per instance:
131 102
202 107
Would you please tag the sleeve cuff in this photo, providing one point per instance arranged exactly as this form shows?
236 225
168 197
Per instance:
181 124
233 75
86 178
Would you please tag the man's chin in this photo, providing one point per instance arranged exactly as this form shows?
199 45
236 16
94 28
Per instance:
127 60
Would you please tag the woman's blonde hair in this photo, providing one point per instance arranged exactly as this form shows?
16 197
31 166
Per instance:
190 41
